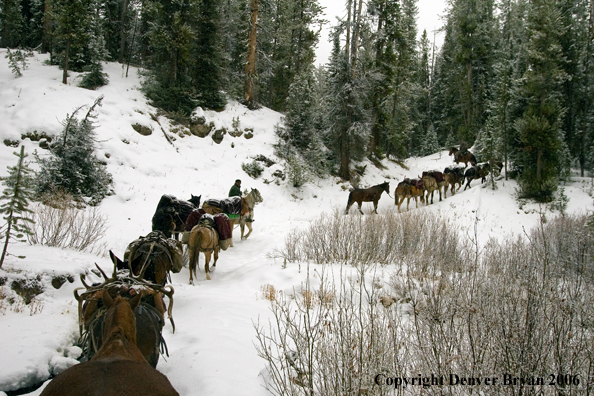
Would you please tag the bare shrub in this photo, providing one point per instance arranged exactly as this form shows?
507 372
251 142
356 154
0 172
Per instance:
269 292
520 307
59 223
384 239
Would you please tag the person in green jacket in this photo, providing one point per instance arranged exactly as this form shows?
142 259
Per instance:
235 190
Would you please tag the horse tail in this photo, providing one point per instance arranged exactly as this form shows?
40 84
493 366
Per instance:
195 250
349 202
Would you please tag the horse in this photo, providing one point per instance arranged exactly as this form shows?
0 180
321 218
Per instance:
371 194
202 239
152 257
250 200
409 188
454 175
149 313
441 181
171 214
475 172
239 209
464 156
118 368
430 185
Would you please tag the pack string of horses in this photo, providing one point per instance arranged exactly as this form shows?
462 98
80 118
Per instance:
122 317
423 187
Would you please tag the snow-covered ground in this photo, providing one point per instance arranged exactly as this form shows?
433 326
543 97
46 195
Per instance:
212 351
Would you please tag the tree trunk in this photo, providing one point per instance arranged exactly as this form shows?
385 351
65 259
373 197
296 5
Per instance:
250 65
123 19
348 33
355 44
6 238
46 44
539 164
66 55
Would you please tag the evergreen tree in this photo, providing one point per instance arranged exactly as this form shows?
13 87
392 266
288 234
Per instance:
16 196
72 166
540 127
429 144
298 133
348 127
74 28
207 62
11 23
577 97
465 70
171 41
287 44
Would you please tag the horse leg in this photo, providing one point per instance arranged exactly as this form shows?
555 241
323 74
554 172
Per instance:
216 255
360 203
232 226
249 226
207 259
193 258
375 206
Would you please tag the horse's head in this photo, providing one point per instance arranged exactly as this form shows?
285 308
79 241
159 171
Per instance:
257 196
195 200
120 316
386 187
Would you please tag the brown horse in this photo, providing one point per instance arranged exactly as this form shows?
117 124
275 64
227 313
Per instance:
441 181
453 176
202 239
371 194
118 368
149 313
409 188
430 185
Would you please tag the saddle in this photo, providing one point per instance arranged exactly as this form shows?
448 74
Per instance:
418 183
165 245
437 175
220 222
231 205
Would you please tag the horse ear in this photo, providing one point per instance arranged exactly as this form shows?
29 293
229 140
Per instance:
119 264
107 300
135 300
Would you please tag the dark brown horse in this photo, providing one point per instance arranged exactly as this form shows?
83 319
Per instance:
152 257
171 214
454 175
463 156
118 368
371 194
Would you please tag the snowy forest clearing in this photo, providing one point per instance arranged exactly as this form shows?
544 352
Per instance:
212 351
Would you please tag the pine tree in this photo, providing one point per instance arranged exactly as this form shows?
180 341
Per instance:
348 126
74 19
17 194
72 166
11 23
540 127
171 34
207 62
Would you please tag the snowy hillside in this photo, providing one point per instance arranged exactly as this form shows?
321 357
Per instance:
212 350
